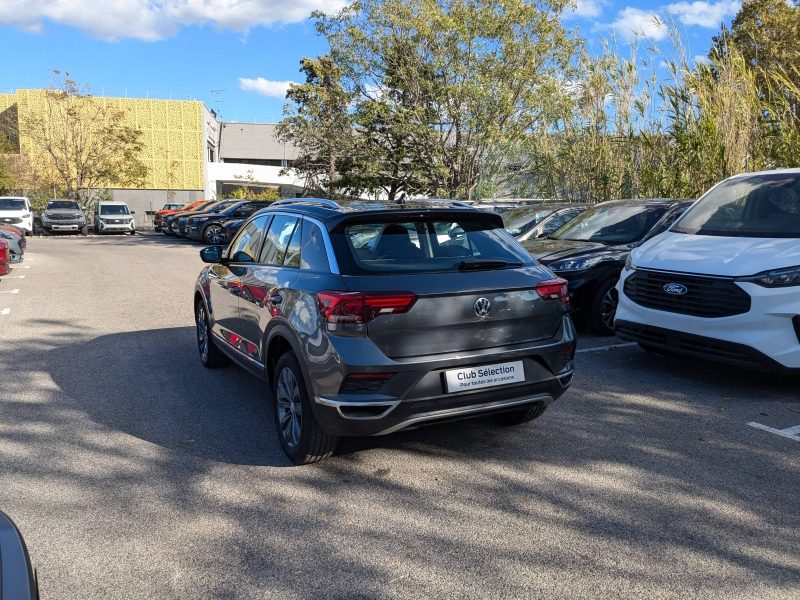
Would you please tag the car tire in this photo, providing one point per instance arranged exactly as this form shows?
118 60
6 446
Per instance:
301 436
85 230
603 308
211 232
45 231
211 356
28 233
520 416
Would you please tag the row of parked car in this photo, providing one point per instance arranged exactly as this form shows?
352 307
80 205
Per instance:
206 221
366 319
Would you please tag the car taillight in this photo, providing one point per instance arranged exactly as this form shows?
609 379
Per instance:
358 307
553 289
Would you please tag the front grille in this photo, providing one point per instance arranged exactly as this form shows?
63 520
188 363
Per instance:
64 217
115 221
704 296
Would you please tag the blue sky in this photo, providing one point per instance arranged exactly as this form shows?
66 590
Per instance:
249 48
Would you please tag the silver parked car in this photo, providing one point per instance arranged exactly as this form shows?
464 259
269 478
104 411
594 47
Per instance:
366 321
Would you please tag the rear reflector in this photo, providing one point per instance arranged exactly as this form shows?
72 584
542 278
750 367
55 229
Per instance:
358 308
553 289
364 383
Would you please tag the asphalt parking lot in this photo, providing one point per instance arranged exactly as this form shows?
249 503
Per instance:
135 473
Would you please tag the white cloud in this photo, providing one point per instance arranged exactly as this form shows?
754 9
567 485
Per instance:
152 20
586 9
634 21
264 87
704 14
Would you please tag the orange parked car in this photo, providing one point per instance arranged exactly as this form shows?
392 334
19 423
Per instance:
158 218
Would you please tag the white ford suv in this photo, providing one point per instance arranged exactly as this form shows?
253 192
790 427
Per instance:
723 283
17 211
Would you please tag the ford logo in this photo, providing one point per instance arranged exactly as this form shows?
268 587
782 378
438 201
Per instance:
482 307
676 289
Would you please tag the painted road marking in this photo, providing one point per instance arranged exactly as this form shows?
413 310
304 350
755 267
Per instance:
793 433
9 291
601 348
14 277
5 311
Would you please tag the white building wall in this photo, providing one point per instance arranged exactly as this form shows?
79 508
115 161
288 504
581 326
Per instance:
246 174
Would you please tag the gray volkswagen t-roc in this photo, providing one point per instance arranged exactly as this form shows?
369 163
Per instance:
368 319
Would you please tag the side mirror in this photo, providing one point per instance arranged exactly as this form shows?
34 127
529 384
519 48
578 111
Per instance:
84 208
17 577
212 254
543 233
133 212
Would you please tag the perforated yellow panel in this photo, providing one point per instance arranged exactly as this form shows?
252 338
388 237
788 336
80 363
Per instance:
172 133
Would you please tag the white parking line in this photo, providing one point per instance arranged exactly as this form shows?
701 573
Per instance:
14 277
9 291
793 433
5 311
601 348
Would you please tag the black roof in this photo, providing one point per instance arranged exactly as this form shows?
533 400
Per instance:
331 213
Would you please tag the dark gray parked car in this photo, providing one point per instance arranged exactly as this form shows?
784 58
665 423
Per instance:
366 321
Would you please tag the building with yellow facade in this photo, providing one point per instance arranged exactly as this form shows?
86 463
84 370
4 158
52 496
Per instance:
189 154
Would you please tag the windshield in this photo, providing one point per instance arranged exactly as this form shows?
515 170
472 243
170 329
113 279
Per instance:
62 204
114 209
519 221
611 223
388 247
12 204
760 206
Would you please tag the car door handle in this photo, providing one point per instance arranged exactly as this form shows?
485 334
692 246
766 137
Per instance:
276 299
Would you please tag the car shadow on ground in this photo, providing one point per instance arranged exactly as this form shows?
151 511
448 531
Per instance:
605 464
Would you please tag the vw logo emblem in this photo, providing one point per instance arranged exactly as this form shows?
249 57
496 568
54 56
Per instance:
676 289
483 307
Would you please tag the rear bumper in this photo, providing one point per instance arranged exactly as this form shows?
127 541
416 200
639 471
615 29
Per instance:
417 394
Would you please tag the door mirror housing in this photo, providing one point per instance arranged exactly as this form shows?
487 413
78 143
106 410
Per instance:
133 212
212 254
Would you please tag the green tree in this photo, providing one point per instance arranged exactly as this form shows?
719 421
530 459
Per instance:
766 34
423 89
319 124
81 143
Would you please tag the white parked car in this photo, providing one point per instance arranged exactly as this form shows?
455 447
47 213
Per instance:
723 283
113 217
17 211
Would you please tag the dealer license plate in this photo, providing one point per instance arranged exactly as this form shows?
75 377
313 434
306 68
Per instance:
473 378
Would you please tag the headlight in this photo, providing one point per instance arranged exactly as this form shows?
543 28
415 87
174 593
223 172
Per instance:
629 264
6 236
129 219
577 264
200 219
102 220
26 215
779 278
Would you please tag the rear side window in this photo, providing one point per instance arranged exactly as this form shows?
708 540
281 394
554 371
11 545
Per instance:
278 238
313 253
424 245
247 244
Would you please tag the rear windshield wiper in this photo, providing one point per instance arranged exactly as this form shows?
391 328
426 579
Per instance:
487 264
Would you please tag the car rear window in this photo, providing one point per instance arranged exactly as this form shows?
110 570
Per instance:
760 206
425 245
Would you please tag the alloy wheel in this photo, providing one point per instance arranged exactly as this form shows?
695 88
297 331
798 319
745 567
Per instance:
202 332
213 234
608 309
290 416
